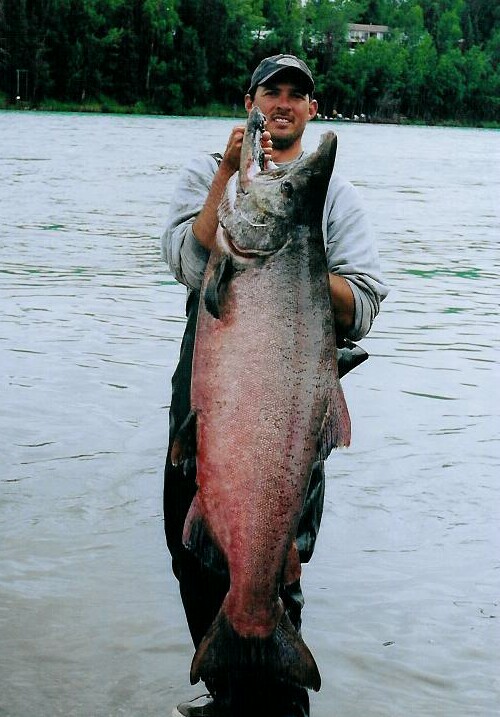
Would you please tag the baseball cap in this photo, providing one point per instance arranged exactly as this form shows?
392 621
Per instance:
270 66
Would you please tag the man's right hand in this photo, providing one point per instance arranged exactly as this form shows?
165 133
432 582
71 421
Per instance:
231 157
205 224
232 154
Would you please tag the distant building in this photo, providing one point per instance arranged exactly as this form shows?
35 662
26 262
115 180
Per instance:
358 34
260 34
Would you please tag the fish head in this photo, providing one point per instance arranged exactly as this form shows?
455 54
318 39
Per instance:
295 193
261 215
252 154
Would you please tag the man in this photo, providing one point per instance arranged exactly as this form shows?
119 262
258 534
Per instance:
282 87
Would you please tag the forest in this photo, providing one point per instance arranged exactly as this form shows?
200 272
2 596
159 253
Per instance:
438 62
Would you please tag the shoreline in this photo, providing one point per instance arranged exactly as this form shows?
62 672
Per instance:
225 112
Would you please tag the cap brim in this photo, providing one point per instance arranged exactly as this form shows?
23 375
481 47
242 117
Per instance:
297 70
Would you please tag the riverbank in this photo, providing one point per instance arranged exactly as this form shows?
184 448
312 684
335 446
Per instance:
106 105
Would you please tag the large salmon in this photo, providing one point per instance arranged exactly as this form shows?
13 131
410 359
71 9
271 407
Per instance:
267 402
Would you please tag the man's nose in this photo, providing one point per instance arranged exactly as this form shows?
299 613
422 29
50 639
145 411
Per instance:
283 101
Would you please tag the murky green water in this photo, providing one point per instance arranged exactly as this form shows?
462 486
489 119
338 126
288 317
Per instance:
402 595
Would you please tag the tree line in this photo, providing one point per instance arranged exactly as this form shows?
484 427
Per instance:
439 60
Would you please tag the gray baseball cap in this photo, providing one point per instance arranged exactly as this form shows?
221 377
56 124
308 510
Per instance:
270 66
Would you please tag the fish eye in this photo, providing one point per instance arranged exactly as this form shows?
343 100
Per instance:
287 189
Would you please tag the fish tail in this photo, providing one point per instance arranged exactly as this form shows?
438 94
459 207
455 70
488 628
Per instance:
281 656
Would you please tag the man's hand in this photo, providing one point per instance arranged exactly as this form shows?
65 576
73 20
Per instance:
267 146
205 224
231 158
232 154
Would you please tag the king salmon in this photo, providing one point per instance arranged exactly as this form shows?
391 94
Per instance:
266 404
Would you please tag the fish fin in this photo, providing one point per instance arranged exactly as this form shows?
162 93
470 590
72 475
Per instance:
198 540
184 445
336 428
293 568
283 655
349 355
216 286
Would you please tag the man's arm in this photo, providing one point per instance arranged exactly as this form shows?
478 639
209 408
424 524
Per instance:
343 303
205 224
191 229
356 282
192 225
187 258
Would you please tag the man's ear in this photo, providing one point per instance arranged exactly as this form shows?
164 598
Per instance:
248 103
313 109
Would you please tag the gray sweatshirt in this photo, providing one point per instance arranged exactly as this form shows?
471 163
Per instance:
350 246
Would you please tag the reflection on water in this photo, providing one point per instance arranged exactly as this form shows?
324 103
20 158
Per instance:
402 594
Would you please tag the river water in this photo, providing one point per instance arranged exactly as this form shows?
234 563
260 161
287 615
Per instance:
402 594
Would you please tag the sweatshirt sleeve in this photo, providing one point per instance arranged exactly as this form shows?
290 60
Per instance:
186 258
351 252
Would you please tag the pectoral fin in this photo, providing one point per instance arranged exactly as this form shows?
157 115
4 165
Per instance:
183 449
336 428
216 286
196 537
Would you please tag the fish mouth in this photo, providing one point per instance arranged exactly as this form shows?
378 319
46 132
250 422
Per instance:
252 154
245 253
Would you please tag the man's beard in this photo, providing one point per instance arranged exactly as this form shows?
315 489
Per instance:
285 142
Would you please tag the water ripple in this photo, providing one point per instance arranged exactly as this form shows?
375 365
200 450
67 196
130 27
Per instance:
405 575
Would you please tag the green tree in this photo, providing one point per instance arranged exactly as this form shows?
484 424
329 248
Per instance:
190 69
493 48
229 69
477 72
160 24
448 31
448 85
380 67
22 35
376 12
325 33
435 9
222 42
440 60
408 20
284 21
482 18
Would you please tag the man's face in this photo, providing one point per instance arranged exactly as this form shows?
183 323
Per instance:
288 109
